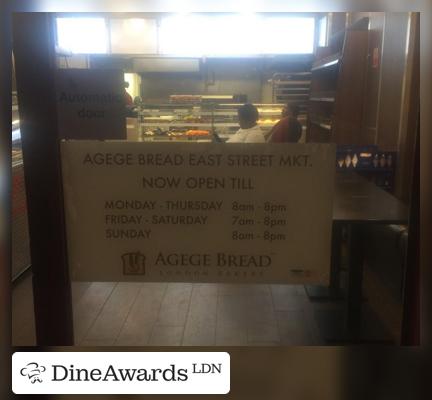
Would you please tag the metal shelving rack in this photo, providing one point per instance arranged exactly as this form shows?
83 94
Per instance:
292 87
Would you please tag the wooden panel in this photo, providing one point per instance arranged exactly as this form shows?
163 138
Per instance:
33 41
410 113
336 102
372 80
411 332
349 98
393 65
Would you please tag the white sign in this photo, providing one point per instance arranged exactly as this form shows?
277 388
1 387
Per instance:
201 212
120 372
91 104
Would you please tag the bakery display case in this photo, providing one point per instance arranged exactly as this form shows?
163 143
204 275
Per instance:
197 120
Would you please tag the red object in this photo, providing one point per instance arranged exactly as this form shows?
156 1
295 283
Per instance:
128 98
287 130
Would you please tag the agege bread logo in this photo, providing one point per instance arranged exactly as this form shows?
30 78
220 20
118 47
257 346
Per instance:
33 371
133 263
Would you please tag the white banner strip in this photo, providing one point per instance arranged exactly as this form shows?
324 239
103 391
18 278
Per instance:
121 373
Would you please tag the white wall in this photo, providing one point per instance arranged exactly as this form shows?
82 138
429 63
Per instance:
134 81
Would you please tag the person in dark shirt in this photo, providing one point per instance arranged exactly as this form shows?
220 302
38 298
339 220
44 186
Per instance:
129 103
127 97
288 129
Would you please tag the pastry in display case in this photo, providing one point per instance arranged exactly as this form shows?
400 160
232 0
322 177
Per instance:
190 120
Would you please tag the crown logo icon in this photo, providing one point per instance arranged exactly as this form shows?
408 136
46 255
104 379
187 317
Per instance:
133 263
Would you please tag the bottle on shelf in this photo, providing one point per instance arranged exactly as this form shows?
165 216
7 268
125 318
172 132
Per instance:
389 160
348 160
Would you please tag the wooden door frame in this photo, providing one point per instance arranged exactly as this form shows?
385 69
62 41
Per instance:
33 47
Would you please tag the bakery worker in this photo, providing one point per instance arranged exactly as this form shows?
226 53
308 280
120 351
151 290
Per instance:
127 97
129 103
249 131
288 129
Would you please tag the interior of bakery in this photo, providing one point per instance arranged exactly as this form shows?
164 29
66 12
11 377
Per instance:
348 73
354 80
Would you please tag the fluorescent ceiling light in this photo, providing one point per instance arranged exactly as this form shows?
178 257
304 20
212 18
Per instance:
82 35
235 35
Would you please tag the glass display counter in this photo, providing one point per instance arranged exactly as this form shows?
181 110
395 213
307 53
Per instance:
189 121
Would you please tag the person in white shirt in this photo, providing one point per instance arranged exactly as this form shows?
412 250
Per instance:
249 131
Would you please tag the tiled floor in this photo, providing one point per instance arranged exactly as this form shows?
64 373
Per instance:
129 314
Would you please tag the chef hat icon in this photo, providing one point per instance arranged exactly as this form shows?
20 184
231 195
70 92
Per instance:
33 371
